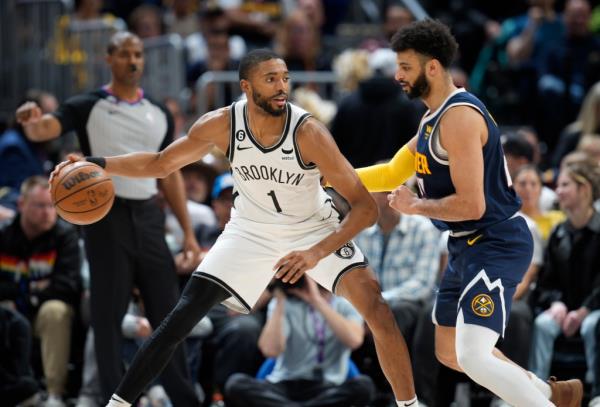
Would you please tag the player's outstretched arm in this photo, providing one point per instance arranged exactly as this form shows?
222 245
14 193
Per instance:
210 130
317 146
386 177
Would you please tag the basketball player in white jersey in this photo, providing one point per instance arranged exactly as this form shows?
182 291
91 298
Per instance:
283 224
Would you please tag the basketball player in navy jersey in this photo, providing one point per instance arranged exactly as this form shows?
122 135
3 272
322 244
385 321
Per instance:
283 223
464 187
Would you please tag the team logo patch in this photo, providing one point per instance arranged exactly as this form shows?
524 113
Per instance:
346 251
428 130
240 135
482 305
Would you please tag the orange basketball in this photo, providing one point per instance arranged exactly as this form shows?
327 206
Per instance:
82 193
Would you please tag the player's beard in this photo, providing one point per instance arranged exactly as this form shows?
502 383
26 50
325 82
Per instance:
264 104
420 88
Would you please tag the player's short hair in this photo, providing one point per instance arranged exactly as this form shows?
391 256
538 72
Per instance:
253 58
31 182
428 37
118 39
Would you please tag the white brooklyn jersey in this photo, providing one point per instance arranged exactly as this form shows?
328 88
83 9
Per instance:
272 184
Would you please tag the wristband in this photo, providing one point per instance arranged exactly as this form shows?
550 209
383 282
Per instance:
100 161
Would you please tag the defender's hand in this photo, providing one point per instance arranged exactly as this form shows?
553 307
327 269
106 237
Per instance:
403 200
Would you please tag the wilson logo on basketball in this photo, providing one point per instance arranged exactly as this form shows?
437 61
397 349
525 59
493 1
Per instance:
78 178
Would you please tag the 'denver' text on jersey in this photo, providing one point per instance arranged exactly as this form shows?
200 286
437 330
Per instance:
433 170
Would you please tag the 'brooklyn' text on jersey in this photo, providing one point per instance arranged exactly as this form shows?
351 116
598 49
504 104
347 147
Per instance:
269 173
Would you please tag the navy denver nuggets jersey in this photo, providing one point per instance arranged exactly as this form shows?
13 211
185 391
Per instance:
433 172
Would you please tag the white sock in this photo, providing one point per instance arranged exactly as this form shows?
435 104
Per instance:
408 403
541 385
116 401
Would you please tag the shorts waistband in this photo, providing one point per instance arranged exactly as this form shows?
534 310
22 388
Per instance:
463 233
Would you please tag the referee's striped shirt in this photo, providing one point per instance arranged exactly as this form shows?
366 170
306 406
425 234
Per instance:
107 126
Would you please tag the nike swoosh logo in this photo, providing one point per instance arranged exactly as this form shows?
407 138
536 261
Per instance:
411 404
287 151
473 240
240 148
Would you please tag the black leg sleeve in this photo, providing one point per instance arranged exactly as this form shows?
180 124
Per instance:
197 299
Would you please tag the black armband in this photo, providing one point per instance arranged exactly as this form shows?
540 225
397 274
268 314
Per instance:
100 161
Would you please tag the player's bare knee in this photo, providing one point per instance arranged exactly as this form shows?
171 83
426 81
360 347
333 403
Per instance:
378 315
446 357
363 291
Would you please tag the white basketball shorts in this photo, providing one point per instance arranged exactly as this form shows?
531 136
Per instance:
242 259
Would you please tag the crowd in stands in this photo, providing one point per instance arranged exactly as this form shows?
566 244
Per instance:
536 65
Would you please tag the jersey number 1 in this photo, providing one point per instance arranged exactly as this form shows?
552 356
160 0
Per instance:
275 202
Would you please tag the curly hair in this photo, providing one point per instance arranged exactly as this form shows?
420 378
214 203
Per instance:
428 37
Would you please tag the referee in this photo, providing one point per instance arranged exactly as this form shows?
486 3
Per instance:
127 247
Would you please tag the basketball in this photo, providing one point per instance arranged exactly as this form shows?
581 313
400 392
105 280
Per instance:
82 193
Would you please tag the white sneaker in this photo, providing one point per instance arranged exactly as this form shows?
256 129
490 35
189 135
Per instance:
595 402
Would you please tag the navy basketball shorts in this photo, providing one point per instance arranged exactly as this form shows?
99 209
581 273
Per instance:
484 269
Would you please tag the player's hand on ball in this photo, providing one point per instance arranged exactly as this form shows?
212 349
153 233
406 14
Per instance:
293 265
71 158
403 200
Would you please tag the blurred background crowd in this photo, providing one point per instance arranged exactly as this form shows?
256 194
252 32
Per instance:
536 65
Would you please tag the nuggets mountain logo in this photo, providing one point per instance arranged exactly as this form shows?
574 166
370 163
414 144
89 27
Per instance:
346 251
240 135
482 305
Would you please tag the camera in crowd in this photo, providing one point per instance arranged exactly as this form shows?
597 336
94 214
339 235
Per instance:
285 287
